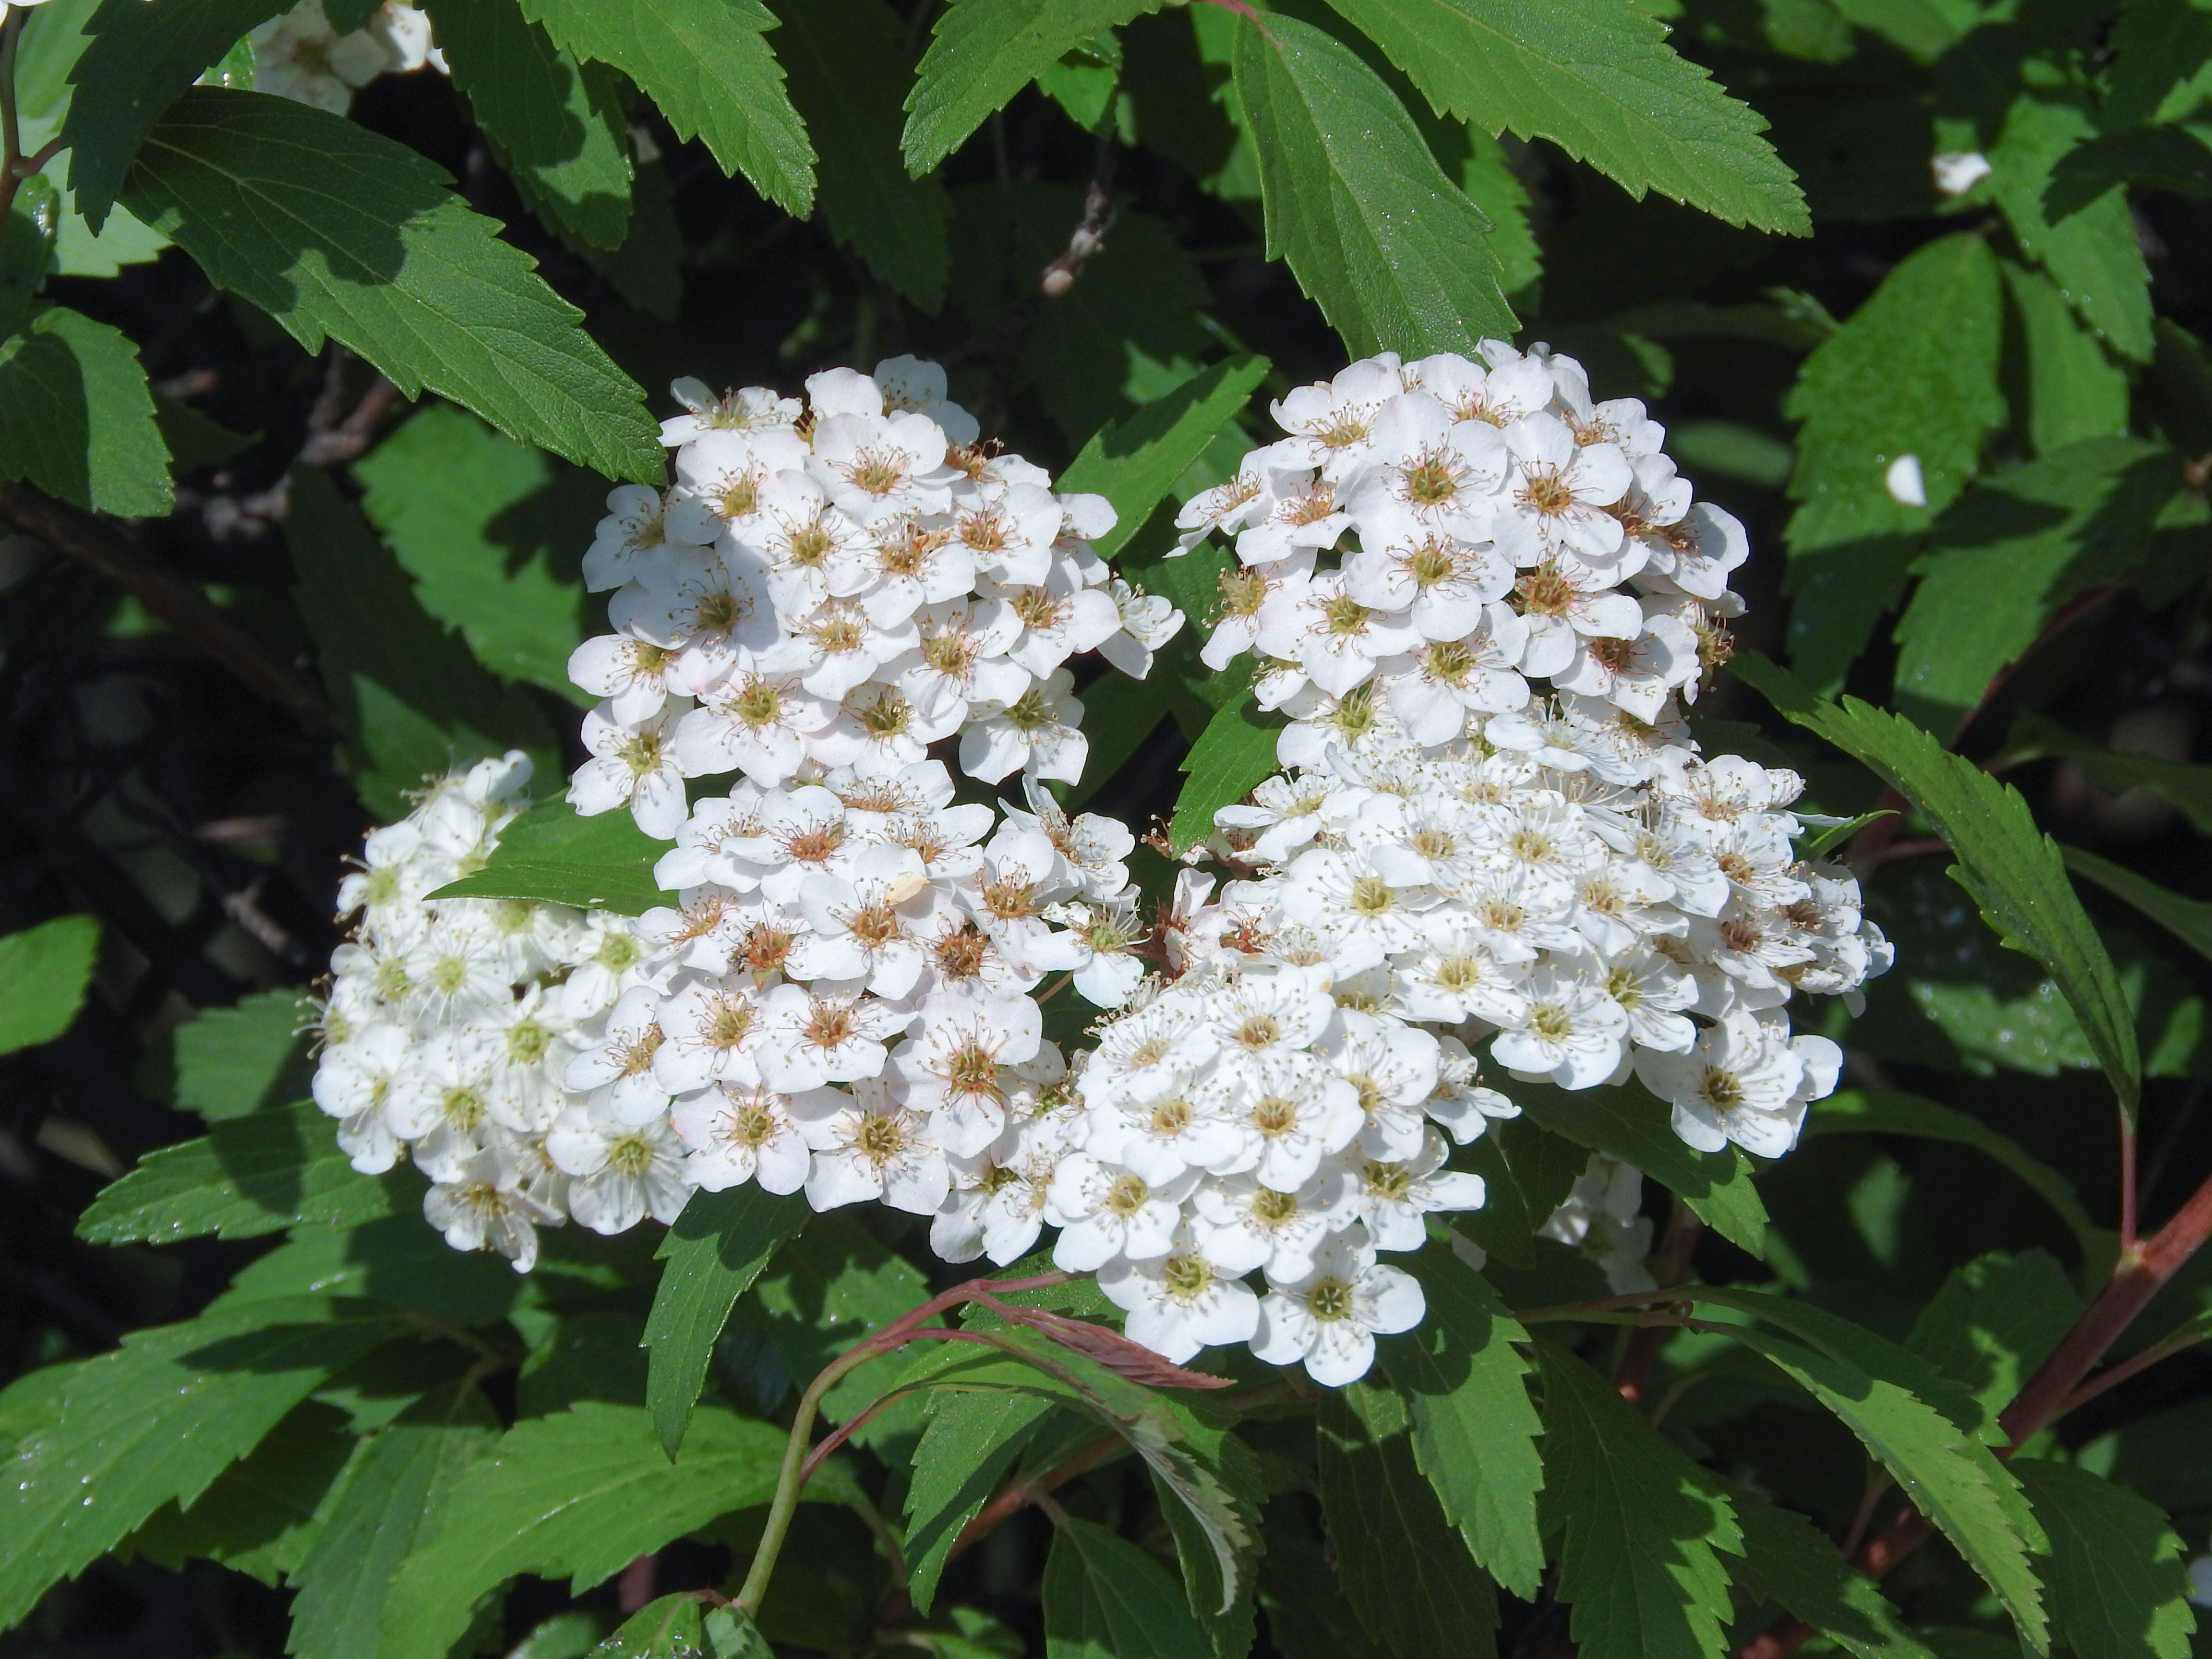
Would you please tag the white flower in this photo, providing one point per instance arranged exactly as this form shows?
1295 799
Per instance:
1739 1082
1329 1317
744 1132
1106 1215
622 1173
866 1146
1177 1303
1390 1197
1573 1033
1902 479
1958 171
484 1207
633 765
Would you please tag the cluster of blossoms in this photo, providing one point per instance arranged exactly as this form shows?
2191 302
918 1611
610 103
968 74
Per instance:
451 1026
299 55
841 583
1496 834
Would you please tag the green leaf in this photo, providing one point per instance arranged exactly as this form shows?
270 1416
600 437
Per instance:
2010 868
1224 1601
1232 757
1640 1527
2160 48
1822 842
487 529
1786 1560
970 1442
338 233
1994 1321
135 62
1135 462
714 1251
2091 254
76 418
156 1421
556 128
2009 555
1599 81
848 65
1955 1479
1415 1588
1632 1124
1913 372
1393 251
668 1628
1527 1173
2072 389
982 52
1473 1429
2120 1588
581 1493
1106 1599
708 66
253 1174
1883 1111
1119 716
410 698
260 1516
393 1259
231 1062
2188 920
2114 771
44 971
551 854
1182 1444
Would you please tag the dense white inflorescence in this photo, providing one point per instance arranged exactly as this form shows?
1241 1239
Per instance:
1477 596
299 55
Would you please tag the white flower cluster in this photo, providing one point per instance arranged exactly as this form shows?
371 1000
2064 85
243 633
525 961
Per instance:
299 55
451 1027
842 583
844 1000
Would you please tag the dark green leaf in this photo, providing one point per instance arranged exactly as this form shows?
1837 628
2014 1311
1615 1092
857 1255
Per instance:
1821 842
1527 1173
44 971
969 1444
848 65
982 52
708 64
1393 251
1119 716
1135 462
581 1493
1641 1527
394 1259
231 1061
135 61
1786 1560
714 1251
411 699
157 1420
668 1628
1883 1111
2118 1587
1632 1125
552 855
1224 1602
260 1516
2072 388
76 418
1955 1479
1994 1321
2009 555
488 528
2091 252
252 1175
1413 1587
1234 755
1106 1599
1913 372
2012 870
338 233
1473 1429
2188 920
1600 81
557 128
